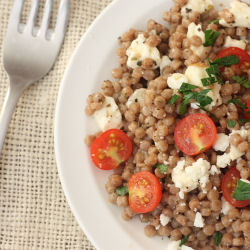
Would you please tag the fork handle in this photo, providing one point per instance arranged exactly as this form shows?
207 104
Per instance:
13 94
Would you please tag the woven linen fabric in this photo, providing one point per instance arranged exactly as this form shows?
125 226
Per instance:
33 211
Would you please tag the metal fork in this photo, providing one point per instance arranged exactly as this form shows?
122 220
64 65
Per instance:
29 52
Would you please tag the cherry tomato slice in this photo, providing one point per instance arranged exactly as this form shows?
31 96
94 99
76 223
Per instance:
145 192
229 184
195 134
244 64
247 111
110 149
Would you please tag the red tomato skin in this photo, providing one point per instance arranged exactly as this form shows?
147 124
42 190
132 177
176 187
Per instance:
186 137
101 142
232 176
242 54
247 115
153 188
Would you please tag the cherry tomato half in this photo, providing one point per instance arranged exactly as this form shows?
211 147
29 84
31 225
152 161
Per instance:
247 111
195 134
110 149
145 192
244 64
229 184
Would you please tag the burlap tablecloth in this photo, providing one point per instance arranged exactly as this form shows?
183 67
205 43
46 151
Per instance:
33 211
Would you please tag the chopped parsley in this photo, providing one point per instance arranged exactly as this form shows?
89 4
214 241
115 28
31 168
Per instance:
242 192
242 121
231 123
237 102
184 240
242 80
122 191
201 97
163 168
186 87
227 60
174 99
215 21
218 238
211 37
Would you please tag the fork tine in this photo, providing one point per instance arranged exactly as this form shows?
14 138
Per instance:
15 15
32 16
62 18
46 17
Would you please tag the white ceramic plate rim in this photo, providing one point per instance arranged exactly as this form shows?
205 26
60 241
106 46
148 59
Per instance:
101 221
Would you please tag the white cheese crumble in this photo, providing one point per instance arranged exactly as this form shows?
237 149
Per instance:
190 177
229 42
140 50
225 206
198 221
165 61
175 80
234 153
214 170
175 245
137 96
241 12
109 116
164 219
196 30
194 105
196 5
195 72
222 142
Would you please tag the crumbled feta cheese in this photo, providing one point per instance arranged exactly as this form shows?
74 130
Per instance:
196 30
235 153
175 80
215 95
214 170
198 221
165 61
229 42
164 219
225 206
241 12
242 132
109 116
223 160
196 5
137 96
195 72
175 245
140 50
189 178
222 142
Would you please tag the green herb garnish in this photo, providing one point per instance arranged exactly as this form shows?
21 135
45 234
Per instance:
122 190
242 80
186 87
163 168
174 99
215 21
184 240
231 123
211 37
218 238
236 101
189 95
227 60
242 192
